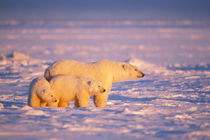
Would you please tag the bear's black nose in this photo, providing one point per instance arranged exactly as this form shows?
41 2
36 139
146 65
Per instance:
104 90
55 100
141 75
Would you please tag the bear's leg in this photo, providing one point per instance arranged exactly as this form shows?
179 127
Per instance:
43 104
83 103
100 100
34 100
35 104
82 100
63 104
76 103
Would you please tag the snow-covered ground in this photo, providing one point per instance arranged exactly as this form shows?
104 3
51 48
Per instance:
170 102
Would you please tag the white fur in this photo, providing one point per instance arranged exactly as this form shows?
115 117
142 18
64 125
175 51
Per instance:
69 88
105 71
40 93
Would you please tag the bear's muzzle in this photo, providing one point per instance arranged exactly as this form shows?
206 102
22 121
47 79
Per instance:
55 100
103 90
141 74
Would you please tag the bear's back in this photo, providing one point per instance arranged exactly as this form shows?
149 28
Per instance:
65 85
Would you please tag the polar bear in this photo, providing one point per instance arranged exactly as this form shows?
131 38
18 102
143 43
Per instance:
105 71
72 88
40 93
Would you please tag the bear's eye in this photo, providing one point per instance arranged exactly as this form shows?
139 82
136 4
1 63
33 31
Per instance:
51 95
99 86
135 69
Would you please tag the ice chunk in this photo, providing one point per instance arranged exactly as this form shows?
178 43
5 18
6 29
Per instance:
17 56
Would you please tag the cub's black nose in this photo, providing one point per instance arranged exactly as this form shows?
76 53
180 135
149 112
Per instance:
55 100
104 90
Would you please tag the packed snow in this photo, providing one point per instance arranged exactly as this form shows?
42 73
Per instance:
170 102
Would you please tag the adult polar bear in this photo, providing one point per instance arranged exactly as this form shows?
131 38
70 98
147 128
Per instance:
105 71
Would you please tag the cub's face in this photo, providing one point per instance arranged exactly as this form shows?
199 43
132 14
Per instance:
95 87
132 71
47 95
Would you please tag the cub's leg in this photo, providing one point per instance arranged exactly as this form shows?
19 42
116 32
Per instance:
82 101
63 104
100 100
43 104
76 103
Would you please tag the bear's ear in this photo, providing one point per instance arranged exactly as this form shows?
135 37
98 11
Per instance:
89 83
43 91
124 66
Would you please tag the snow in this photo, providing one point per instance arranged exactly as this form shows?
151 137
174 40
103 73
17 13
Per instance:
170 102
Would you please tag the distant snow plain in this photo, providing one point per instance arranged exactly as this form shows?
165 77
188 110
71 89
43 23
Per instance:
170 102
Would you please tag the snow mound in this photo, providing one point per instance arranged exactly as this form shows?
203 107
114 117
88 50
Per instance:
147 67
34 112
14 56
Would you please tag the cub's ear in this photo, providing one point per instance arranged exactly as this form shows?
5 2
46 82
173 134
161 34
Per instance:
43 91
124 66
89 83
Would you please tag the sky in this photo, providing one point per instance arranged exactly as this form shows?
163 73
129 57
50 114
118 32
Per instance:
104 9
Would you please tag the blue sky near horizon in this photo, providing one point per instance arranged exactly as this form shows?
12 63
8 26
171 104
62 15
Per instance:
105 10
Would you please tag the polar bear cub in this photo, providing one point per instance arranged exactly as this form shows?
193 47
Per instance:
72 88
40 93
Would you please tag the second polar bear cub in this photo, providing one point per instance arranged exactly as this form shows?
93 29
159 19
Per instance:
71 88
40 93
